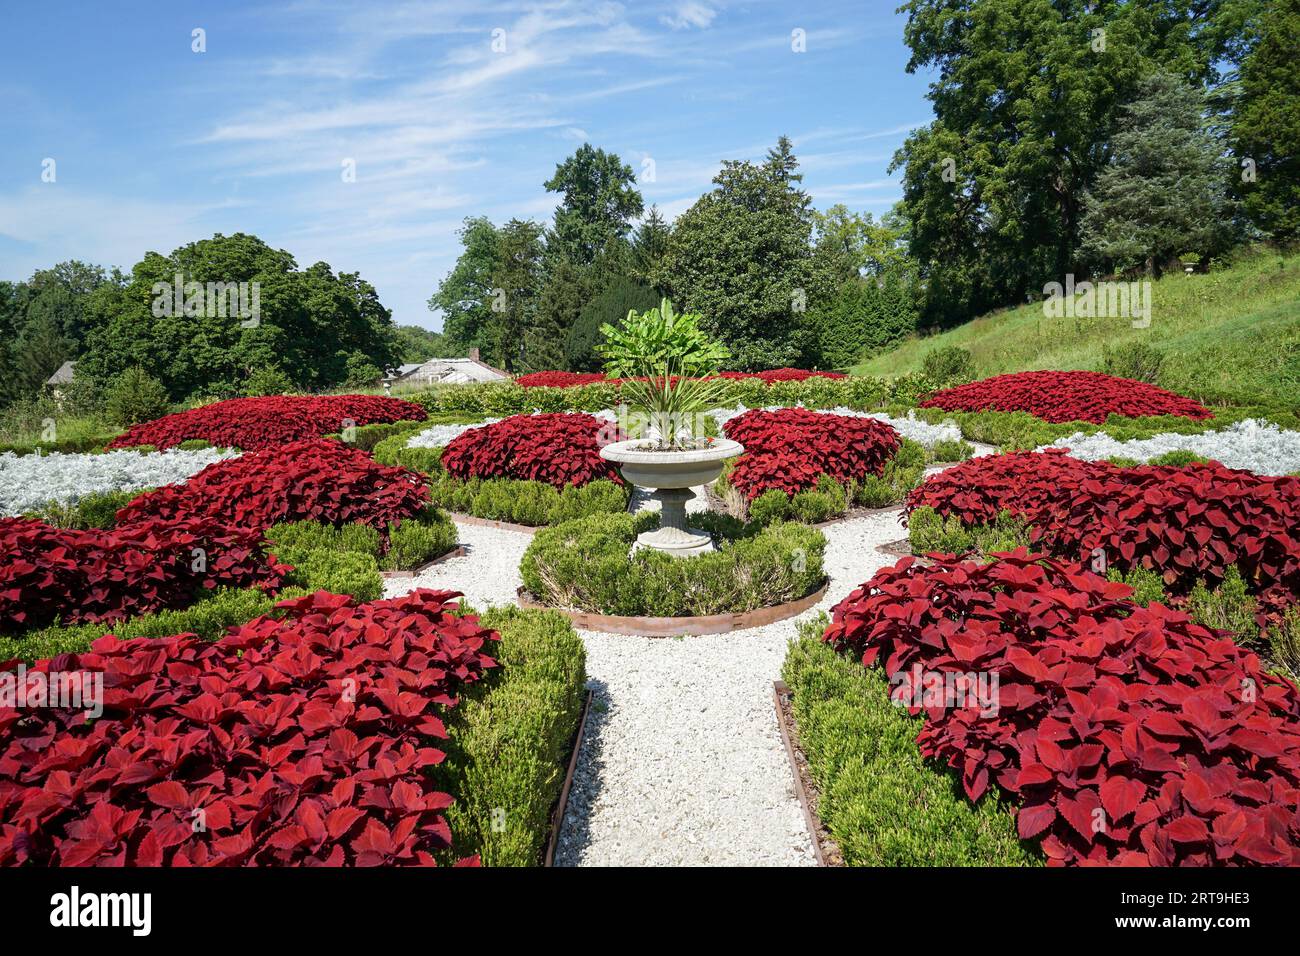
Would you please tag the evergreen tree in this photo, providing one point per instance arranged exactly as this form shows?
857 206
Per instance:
649 247
610 305
1164 191
567 288
1265 125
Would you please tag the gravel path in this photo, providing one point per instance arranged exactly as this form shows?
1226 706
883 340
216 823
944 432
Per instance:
682 762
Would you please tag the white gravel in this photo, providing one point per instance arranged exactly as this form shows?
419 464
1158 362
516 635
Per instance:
911 427
437 436
682 763
30 482
1253 445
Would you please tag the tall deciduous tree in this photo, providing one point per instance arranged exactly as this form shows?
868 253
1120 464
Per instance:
1026 96
742 257
464 296
599 201
516 284
308 323
1164 191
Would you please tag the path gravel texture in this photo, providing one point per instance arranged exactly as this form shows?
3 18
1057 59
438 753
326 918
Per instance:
682 763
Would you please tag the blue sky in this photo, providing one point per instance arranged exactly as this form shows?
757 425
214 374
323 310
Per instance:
156 145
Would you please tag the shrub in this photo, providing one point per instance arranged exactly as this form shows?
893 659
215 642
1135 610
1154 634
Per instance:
508 739
253 732
367 437
134 396
1284 642
75 576
95 510
1227 608
268 380
531 503
1149 516
1148 586
557 449
1133 360
948 365
947 450
587 565
789 449
320 480
207 618
901 474
1066 396
1178 458
291 537
417 541
339 572
928 533
1128 735
882 803
258 423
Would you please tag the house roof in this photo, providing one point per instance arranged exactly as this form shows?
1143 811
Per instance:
63 376
449 370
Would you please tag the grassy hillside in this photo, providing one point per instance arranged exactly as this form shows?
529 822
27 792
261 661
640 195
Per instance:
1230 337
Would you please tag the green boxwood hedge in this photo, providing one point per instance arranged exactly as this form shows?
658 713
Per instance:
509 738
883 804
586 565
532 503
507 398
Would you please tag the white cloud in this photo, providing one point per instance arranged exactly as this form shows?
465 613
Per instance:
688 15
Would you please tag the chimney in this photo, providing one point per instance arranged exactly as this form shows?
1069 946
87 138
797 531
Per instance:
473 354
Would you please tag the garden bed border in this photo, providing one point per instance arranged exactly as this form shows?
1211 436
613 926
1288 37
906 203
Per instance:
638 626
456 552
459 518
562 803
813 822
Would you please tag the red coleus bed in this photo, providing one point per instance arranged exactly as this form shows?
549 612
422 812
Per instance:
152 564
559 449
255 423
303 741
790 448
560 379
569 379
1185 523
318 480
1066 397
1126 735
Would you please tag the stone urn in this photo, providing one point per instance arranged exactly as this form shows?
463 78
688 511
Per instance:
670 476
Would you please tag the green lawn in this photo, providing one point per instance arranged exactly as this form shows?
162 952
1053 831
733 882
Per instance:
1229 337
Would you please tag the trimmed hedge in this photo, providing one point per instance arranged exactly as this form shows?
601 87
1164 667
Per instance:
509 737
507 398
411 543
533 503
882 803
587 565
74 444
208 619
929 532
